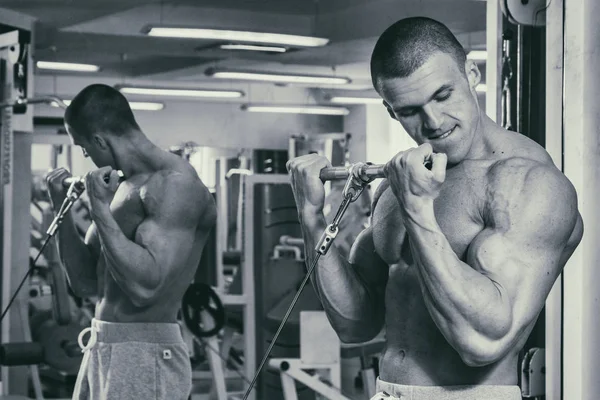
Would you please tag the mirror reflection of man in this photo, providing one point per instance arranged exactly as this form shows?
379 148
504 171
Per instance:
139 255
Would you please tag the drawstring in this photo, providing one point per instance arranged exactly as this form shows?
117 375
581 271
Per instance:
91 342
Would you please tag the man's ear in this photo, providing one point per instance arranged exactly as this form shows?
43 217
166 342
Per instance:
100 142
389 110
473 73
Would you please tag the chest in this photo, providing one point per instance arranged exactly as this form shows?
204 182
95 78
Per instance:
458 211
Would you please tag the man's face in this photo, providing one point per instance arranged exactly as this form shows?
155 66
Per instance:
96 149
437 104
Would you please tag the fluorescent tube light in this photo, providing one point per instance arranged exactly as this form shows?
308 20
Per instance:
236 36
355 100
146 91
276 77
477 55
62 66
296 109
135 105
253 47
146 106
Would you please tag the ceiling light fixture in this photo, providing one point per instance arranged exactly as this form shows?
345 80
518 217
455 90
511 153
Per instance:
355 100
63 66
147 91
295 109
146 106
477 55
236 36
253 47
276 77
135 105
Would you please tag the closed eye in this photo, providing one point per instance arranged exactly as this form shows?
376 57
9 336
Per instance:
444 96
440 95
408 113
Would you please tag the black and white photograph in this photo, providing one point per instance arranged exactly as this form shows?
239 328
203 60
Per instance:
299 199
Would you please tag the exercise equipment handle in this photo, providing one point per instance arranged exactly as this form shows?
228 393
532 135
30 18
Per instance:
367 172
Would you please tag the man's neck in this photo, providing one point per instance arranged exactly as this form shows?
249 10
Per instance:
136 155
480 147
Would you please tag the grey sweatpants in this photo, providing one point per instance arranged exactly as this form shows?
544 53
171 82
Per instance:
147 361
394 391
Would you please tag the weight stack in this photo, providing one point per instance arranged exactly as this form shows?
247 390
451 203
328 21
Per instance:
276 282
266 161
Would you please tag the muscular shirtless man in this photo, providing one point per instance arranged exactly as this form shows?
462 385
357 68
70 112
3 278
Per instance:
139 255
459 259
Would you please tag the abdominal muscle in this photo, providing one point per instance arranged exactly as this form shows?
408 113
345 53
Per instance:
417 353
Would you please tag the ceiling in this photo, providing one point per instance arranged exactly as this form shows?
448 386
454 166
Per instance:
109 33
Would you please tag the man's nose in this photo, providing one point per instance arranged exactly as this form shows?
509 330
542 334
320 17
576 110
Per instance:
432 117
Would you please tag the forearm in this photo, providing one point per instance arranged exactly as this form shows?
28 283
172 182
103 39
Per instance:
132 266
78 262
347 299
465 304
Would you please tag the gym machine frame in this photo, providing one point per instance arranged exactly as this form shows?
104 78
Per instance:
569 35
16 138
246 299
248 184
573 114
15 135
218 373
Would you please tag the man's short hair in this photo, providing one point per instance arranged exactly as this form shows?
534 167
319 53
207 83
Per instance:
407 44
100 108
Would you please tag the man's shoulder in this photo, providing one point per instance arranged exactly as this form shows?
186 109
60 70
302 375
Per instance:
512 147
527 185
174 187
511 171
535 201
180 175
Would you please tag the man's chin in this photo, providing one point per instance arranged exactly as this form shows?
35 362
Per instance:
453 158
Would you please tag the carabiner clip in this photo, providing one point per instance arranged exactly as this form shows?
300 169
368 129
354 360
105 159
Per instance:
356 182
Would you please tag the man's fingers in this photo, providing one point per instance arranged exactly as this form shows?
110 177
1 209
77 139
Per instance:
423 152
109 175
56 172
101 175
89 179
438 168
114 180
105 173
293 163
320 163
307 164
426 149
56 176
